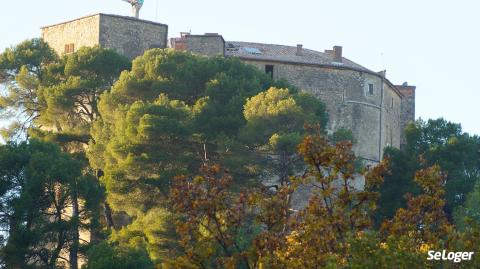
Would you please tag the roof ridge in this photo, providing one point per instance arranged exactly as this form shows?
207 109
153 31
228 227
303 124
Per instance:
309 57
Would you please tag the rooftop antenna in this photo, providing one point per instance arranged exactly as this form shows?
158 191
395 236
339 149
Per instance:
136 6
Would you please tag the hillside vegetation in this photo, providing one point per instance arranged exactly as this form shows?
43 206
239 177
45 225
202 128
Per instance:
179 161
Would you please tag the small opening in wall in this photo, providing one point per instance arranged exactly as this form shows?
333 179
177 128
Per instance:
69 48
269 70
370 89
392 102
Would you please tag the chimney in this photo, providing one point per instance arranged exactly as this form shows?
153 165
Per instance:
337 54
299 50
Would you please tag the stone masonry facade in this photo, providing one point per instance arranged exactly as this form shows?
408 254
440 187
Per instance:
81 32
358 99
127 35
131 37
349 105
211 44
408 107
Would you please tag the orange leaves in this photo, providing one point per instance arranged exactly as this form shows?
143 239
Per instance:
210 218
335 227
317 235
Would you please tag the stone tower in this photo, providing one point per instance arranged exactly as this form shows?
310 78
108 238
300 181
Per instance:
127 35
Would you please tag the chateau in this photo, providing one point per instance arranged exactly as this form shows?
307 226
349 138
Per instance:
358 99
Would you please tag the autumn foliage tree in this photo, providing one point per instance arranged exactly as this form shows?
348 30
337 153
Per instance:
214 216
335 229
337 208
214 223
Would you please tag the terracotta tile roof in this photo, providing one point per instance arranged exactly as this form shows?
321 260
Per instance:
270 52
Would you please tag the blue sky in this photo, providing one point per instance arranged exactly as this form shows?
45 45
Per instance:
434 45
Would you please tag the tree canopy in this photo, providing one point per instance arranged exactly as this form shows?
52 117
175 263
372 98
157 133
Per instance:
174 111
434 142
38 184
195 161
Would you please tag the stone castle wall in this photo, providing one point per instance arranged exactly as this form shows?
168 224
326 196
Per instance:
408 108
392 129
128 36
81 32
131 37
208 44
211 45
349 104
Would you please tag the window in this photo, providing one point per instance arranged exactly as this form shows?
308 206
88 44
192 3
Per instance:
370 89
392 102
69 48
269 70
